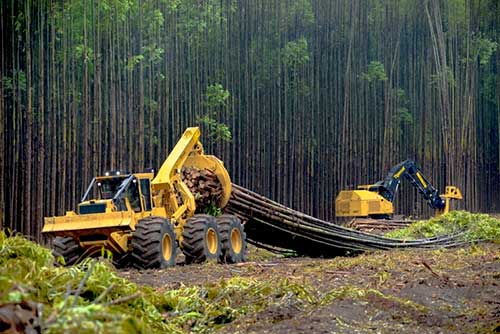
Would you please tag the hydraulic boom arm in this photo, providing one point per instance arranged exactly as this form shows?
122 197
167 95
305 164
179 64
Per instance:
376 200
388 187
168 180
172 196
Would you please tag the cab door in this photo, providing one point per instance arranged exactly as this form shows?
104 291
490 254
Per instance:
145 190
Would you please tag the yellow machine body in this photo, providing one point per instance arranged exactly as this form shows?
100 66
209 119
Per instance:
361 203
365 203
166 195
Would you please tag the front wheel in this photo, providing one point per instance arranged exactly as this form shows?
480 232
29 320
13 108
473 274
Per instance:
233 239
154 244
67 248
201 239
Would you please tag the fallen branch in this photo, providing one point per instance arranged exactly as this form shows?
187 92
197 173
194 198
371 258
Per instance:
104 293
428 267
82 283
241 264
123 299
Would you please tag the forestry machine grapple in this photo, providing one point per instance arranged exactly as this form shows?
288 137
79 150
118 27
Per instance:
375 200
142 218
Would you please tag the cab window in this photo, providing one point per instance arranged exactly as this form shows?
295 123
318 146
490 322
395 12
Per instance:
145 190
133 197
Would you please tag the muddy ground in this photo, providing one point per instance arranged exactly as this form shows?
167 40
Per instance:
411 291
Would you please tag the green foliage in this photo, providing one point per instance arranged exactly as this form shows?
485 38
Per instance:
85 53
375 72
488 88
457 13
14 247
299 14
216 131
484 48
70 19
265 55
213 210
296 53
216 96
151 104
155 20
154 53
134 60
402 115
197 20
475 226
271 49
27 272
216 99
10 82
445 75
115 9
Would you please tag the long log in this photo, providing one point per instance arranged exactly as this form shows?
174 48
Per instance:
274 224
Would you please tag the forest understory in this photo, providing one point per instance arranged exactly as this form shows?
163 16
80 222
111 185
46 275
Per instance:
453 290
413 291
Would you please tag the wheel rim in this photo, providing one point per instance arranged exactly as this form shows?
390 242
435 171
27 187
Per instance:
166 247
212 240
236 241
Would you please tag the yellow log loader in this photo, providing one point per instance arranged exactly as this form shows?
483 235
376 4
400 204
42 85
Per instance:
142 219
375 200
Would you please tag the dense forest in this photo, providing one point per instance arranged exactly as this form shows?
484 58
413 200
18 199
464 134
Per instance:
299 98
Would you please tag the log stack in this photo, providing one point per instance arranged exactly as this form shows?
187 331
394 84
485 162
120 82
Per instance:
204 185
273 224
378 226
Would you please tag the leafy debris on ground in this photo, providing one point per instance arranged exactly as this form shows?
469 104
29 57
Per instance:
475 226
415 291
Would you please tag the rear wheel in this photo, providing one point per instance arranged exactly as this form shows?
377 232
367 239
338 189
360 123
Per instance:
233 239
154 244
67 248
201 239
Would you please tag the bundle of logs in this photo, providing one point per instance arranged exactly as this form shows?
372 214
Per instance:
204 185
272 224
377 226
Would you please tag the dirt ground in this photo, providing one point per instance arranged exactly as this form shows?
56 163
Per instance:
410 291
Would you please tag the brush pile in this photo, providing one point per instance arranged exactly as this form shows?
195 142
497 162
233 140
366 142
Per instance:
38 296
476 226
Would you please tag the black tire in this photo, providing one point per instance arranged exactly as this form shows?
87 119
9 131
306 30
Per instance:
121 261
233 239
154 244
67 248
201 239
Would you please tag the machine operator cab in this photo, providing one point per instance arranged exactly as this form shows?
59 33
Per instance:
117 191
